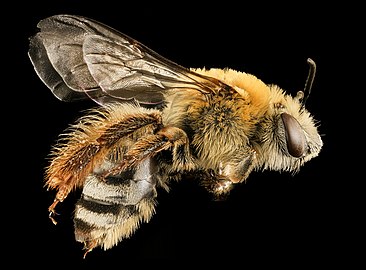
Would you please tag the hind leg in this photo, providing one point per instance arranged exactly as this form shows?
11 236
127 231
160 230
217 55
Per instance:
89 142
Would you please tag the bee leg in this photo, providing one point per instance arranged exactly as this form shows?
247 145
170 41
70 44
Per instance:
89 246
62 192
222 182
239 172
52 212
74 161
128 126
149 145
217 185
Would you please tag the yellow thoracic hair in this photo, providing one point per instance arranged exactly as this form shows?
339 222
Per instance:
244 83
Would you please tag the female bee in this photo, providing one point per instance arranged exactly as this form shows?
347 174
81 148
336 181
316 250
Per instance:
156 121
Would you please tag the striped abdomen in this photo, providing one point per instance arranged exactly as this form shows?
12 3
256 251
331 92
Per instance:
111 208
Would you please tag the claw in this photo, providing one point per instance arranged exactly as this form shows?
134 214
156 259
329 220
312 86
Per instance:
51 214
86 252
52 211
88 246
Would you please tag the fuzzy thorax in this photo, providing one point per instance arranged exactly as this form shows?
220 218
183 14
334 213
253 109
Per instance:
224 124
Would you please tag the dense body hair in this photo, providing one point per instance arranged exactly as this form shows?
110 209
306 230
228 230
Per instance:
250 116
156 121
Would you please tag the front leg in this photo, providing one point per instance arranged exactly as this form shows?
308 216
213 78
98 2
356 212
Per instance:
215 184
222 182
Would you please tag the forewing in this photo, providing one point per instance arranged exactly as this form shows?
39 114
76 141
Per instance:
77 57
56 54
47 72
126 69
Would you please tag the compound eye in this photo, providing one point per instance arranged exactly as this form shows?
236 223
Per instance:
295 137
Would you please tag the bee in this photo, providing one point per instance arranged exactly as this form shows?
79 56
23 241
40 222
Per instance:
155 122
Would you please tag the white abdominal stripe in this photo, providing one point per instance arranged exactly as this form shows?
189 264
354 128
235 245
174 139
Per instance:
107 204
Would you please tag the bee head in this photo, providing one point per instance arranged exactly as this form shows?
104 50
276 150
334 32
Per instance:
288 135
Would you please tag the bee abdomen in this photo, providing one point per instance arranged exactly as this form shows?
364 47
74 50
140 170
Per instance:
111 208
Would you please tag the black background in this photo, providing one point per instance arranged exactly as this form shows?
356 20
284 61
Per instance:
306 219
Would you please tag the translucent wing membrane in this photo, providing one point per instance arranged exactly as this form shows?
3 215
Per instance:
79 58
56 53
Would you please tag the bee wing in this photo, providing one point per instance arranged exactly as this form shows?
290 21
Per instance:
78 58
56 54
126 69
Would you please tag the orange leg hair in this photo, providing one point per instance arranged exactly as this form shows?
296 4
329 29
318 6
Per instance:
148 146
87 145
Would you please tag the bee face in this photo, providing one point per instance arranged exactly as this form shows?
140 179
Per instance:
156 121
287 137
